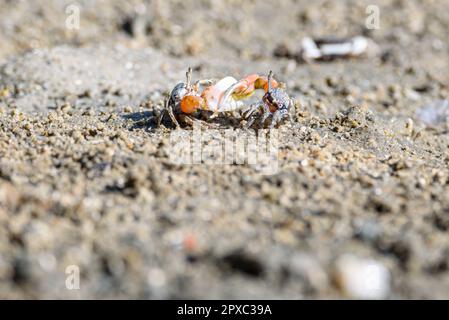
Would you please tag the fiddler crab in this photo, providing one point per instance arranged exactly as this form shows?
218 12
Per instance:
225 96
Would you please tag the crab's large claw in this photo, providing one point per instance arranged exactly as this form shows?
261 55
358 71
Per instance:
245 87
190 103
214 96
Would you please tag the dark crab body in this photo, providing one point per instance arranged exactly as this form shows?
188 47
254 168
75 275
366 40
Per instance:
173 103
277 100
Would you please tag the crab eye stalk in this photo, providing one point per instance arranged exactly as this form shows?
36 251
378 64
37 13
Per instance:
188 77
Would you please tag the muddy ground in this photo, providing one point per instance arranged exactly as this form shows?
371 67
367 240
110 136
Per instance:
87 178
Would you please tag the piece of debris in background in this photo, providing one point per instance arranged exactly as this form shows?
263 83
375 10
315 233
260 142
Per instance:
327 49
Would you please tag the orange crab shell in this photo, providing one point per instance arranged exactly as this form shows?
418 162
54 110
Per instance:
189 104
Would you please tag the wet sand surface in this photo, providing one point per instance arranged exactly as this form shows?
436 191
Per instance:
87 178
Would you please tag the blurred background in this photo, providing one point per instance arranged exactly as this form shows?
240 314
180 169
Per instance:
247 29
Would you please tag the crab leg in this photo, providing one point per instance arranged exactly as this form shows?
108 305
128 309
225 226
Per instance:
193 121
250 114
275 119
266 114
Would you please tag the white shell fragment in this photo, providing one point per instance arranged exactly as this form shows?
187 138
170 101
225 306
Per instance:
312 49
309 49
362 278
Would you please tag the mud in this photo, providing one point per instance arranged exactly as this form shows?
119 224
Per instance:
87 179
